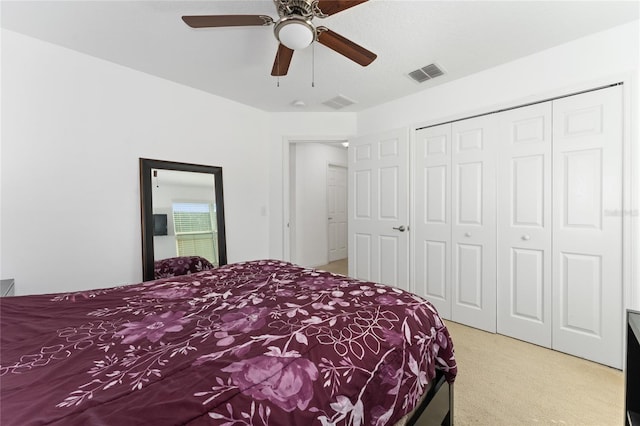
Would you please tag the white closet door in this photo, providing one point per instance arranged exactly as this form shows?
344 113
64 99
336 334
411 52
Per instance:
432 232
524 224
587 245
473 232
379 216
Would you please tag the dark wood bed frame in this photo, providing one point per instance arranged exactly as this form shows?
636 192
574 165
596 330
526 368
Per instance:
436 407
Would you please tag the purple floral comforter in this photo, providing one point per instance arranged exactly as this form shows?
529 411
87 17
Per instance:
253 343
182 265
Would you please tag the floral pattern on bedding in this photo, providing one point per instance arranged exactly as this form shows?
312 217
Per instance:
181 265
253 343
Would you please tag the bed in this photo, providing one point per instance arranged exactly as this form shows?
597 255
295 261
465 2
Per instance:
251 343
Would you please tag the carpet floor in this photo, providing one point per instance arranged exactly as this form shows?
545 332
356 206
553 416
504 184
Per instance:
504 381
337 267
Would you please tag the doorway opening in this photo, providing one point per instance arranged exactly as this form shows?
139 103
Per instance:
315 185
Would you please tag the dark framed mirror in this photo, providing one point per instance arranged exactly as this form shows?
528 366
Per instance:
182 212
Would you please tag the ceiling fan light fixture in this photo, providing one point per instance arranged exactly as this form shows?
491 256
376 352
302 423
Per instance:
295 32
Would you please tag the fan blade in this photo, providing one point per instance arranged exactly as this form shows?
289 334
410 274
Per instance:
345 47
283 59
226 20
331 7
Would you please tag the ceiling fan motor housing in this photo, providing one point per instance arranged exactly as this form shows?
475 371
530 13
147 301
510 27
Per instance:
303 8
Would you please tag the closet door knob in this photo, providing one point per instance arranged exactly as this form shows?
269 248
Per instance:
526 237
400 228
467 234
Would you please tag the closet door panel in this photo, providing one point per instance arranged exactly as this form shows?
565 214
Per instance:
469 193
581 288
432 227
527 292
469 276
524 224
587 256
473 222
528 189
582 188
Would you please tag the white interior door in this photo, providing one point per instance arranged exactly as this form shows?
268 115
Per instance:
587 245
379 208
337 211
473 226
524 224
432 226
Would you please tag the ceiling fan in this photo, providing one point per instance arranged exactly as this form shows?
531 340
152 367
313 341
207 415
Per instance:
294 29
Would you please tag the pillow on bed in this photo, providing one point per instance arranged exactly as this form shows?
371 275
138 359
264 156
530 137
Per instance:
183 265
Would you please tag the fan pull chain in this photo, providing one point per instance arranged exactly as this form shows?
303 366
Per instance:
313 65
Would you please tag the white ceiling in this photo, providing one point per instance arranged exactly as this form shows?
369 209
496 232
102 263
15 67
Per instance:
463 37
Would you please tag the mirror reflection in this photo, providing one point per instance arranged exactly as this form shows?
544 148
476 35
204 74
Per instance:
182 217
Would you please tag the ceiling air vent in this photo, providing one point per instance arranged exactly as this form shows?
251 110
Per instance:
339 102
426 73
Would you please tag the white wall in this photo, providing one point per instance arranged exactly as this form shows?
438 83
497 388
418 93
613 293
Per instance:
602 58
73 129
310 193
286 127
